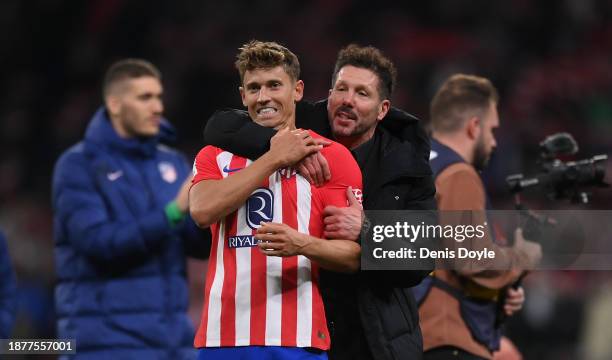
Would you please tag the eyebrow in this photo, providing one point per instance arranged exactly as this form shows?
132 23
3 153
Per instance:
357 87
268 82
150 94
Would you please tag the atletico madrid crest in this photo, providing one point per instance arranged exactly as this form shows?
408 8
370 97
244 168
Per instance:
167 171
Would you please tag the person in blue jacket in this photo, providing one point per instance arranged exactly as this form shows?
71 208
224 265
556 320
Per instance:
121 228
8 291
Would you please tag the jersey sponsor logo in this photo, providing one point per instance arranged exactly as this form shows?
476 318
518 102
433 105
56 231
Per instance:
167 171
259 207
241 241
227 170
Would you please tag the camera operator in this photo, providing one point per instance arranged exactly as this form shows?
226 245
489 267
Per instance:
458 308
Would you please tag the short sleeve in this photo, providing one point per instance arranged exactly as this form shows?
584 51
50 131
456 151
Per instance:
205 165
345 172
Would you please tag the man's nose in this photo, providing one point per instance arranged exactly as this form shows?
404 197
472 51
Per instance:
158 106
263 96
348 99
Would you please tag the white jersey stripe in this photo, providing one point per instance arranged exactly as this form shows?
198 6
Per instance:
243 284
274 266
243 281
304 300
213 329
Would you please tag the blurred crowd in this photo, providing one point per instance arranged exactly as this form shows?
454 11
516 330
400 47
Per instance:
551 61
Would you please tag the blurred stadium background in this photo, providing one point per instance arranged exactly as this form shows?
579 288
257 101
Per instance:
550 59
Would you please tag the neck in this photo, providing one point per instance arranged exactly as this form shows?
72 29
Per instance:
119 129
289 124
354 141
461 146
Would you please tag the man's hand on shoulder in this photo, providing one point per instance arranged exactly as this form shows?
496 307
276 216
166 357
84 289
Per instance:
288 147
346 222
314 167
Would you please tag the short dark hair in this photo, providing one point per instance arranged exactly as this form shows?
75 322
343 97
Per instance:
128 69
458 94
266 55
368 57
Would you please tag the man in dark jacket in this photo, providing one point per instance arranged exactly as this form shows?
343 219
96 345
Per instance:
372 315
8 291
121 228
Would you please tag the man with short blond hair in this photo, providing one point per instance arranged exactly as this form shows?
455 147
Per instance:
373 314
262 298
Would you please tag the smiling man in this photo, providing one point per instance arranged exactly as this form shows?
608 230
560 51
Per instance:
373 314
262 298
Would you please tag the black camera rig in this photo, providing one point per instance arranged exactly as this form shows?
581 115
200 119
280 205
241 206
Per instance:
560 179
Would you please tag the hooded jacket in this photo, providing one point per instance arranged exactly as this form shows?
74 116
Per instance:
8 291
121 278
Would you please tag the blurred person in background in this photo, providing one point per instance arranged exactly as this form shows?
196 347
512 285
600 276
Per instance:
371 315
122 230
463 120
8 291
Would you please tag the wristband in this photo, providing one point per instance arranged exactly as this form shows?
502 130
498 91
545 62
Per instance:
174 214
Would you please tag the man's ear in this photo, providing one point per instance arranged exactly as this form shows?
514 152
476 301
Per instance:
113 104
299 90
385 105
473 127
241 90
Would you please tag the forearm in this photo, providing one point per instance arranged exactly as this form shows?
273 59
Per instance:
493 272
95 235
197 242
334 255
211 200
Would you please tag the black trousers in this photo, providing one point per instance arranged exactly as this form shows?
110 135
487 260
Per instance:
449 353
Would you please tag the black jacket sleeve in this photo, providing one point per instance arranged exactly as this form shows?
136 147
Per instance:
234 131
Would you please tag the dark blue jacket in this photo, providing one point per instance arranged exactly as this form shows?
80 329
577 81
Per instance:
8 291
122 290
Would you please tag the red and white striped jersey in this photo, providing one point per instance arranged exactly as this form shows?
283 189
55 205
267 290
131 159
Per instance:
254 299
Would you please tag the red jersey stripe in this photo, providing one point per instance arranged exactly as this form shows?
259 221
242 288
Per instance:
258 293
200 338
